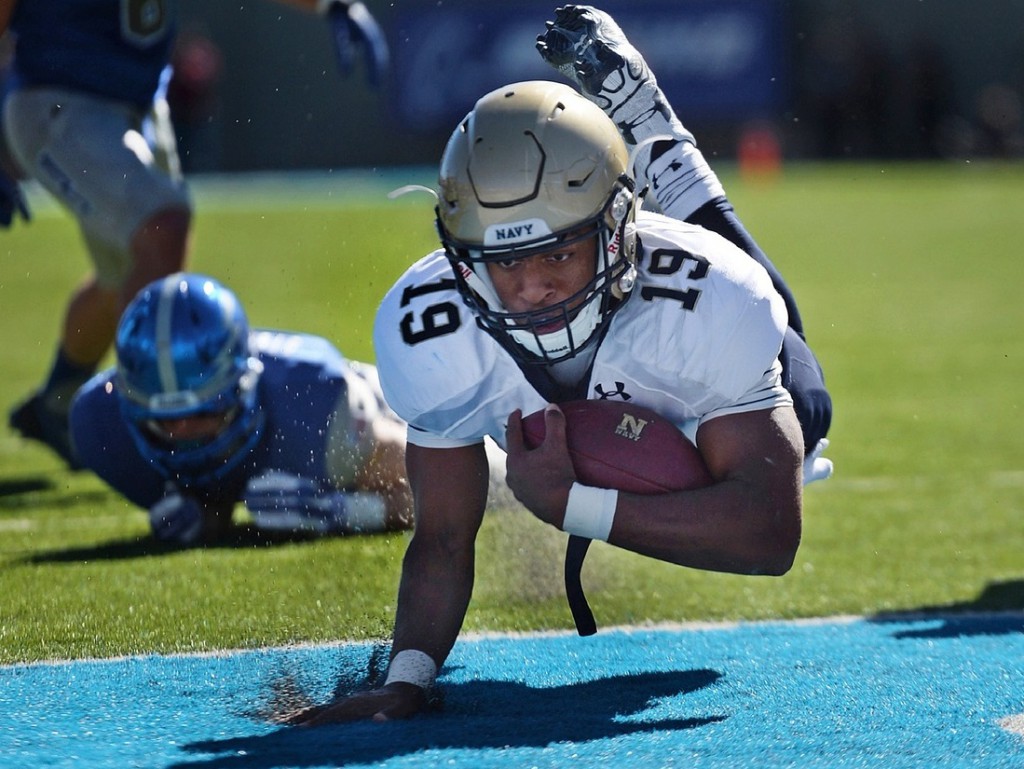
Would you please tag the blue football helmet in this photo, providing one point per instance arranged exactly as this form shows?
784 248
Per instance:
183 350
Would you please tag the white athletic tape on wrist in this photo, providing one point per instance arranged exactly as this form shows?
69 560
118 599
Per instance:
412 666
590 511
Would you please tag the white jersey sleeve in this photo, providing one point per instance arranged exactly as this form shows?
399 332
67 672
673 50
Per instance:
440 372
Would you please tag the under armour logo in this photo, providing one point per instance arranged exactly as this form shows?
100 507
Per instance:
631 427
672 170
618 392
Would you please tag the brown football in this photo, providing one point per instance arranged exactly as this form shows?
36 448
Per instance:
615 445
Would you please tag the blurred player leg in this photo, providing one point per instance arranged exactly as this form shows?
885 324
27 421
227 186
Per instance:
134 213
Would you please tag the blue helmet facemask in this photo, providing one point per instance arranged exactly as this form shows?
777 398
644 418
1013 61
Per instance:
182 351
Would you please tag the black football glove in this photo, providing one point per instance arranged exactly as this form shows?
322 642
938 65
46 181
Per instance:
352 25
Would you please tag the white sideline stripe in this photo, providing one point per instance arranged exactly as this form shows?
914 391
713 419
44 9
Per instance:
477 636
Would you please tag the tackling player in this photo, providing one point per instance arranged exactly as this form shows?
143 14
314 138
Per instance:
553 284
201 413
85 115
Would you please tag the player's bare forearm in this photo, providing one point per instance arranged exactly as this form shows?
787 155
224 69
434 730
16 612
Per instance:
432 601
436 585
748 521
450 491
399 699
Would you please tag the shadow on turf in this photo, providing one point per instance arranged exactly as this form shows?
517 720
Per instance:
244 536
17 487
478 715
33 492
998 610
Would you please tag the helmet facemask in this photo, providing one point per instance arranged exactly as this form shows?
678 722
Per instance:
576 319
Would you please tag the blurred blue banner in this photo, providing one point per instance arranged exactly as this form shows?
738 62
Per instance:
715 59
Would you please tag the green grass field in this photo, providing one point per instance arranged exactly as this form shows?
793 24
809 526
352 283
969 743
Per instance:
906 277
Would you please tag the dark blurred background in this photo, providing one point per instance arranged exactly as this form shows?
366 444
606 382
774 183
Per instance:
256 85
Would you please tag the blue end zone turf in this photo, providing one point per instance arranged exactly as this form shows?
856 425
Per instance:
903 692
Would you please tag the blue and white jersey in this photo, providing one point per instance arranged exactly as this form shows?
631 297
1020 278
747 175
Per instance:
699 337
110 48
317 408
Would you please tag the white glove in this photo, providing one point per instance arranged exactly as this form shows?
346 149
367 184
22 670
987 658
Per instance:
282 501
817 467
177 519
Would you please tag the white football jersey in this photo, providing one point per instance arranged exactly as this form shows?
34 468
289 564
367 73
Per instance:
698 337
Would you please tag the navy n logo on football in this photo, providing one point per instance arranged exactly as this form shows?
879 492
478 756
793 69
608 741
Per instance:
631 427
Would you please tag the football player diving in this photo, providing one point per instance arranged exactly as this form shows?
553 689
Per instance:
587 249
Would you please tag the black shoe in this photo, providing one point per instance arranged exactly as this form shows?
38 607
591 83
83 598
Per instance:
35 421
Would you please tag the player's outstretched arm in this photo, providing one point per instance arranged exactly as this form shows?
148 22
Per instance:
450 491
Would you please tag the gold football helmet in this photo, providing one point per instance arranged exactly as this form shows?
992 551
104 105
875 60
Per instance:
532 166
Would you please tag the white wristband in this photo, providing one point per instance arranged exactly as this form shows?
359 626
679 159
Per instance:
412 666
590 511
